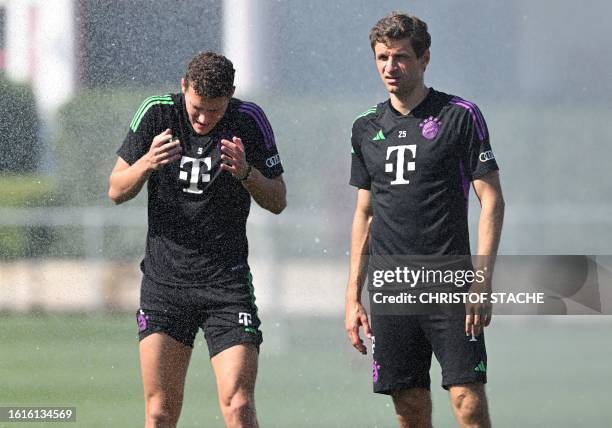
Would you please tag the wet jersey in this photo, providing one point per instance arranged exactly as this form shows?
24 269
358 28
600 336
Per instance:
197 212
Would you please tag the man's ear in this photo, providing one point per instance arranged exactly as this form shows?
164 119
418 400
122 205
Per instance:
426 58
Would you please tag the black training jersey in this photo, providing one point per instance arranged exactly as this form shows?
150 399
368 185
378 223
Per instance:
197 212
419 168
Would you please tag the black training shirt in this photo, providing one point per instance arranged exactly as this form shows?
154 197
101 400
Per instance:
197 212
418 168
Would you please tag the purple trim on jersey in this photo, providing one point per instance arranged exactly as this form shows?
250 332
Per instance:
257 113
465 181
481 128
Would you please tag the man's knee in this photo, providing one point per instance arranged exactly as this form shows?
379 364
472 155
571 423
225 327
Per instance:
238 405
470 405
162 412
413 407
159 417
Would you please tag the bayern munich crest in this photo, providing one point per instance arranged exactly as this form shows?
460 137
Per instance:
430 127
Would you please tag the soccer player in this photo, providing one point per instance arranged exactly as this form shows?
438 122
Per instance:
203 154
413 158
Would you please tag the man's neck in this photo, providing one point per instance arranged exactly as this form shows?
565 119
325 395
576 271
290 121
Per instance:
405 104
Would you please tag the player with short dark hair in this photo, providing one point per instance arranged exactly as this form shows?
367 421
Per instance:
413 159
203 154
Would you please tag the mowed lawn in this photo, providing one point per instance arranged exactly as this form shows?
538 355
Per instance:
542 372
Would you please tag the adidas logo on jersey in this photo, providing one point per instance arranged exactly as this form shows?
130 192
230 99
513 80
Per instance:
481 367
379 136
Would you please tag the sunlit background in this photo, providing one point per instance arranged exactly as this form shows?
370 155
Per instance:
72 74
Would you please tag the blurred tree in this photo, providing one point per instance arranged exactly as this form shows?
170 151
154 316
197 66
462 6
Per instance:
19 143
91 127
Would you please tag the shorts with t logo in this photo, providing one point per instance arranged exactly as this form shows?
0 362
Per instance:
225 311
403 346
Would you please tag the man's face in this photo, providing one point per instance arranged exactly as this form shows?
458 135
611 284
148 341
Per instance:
204 113
398 66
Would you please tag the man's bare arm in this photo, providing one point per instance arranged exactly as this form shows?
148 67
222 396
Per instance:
489 193
355 315
269 193
127 180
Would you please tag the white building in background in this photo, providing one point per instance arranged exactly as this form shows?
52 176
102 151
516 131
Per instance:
39 44
244 41
39 48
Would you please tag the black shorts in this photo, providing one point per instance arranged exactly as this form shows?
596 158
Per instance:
226 312
402 348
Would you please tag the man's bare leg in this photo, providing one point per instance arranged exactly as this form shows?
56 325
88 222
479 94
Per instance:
413 407
236 371
469 403
163 363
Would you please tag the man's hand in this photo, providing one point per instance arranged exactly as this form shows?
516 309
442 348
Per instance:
233 158
126 180
478 315
355 318
163 151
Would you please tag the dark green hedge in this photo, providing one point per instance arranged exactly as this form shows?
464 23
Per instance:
26 191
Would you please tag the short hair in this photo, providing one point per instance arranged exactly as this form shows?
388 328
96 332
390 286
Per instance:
399 25
211 75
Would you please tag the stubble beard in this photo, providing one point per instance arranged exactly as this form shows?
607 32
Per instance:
402 92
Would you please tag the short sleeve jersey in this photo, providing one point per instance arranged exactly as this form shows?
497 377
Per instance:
418 168
197 212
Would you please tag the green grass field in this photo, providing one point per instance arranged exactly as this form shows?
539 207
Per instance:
541 373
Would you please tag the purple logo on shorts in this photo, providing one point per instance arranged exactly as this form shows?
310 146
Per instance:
375 369
142 320
430 126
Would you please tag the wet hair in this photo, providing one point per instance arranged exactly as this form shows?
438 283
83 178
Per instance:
397 26
210 75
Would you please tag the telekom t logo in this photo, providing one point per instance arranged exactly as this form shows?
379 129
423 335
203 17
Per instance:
244 318
196 166
399 162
